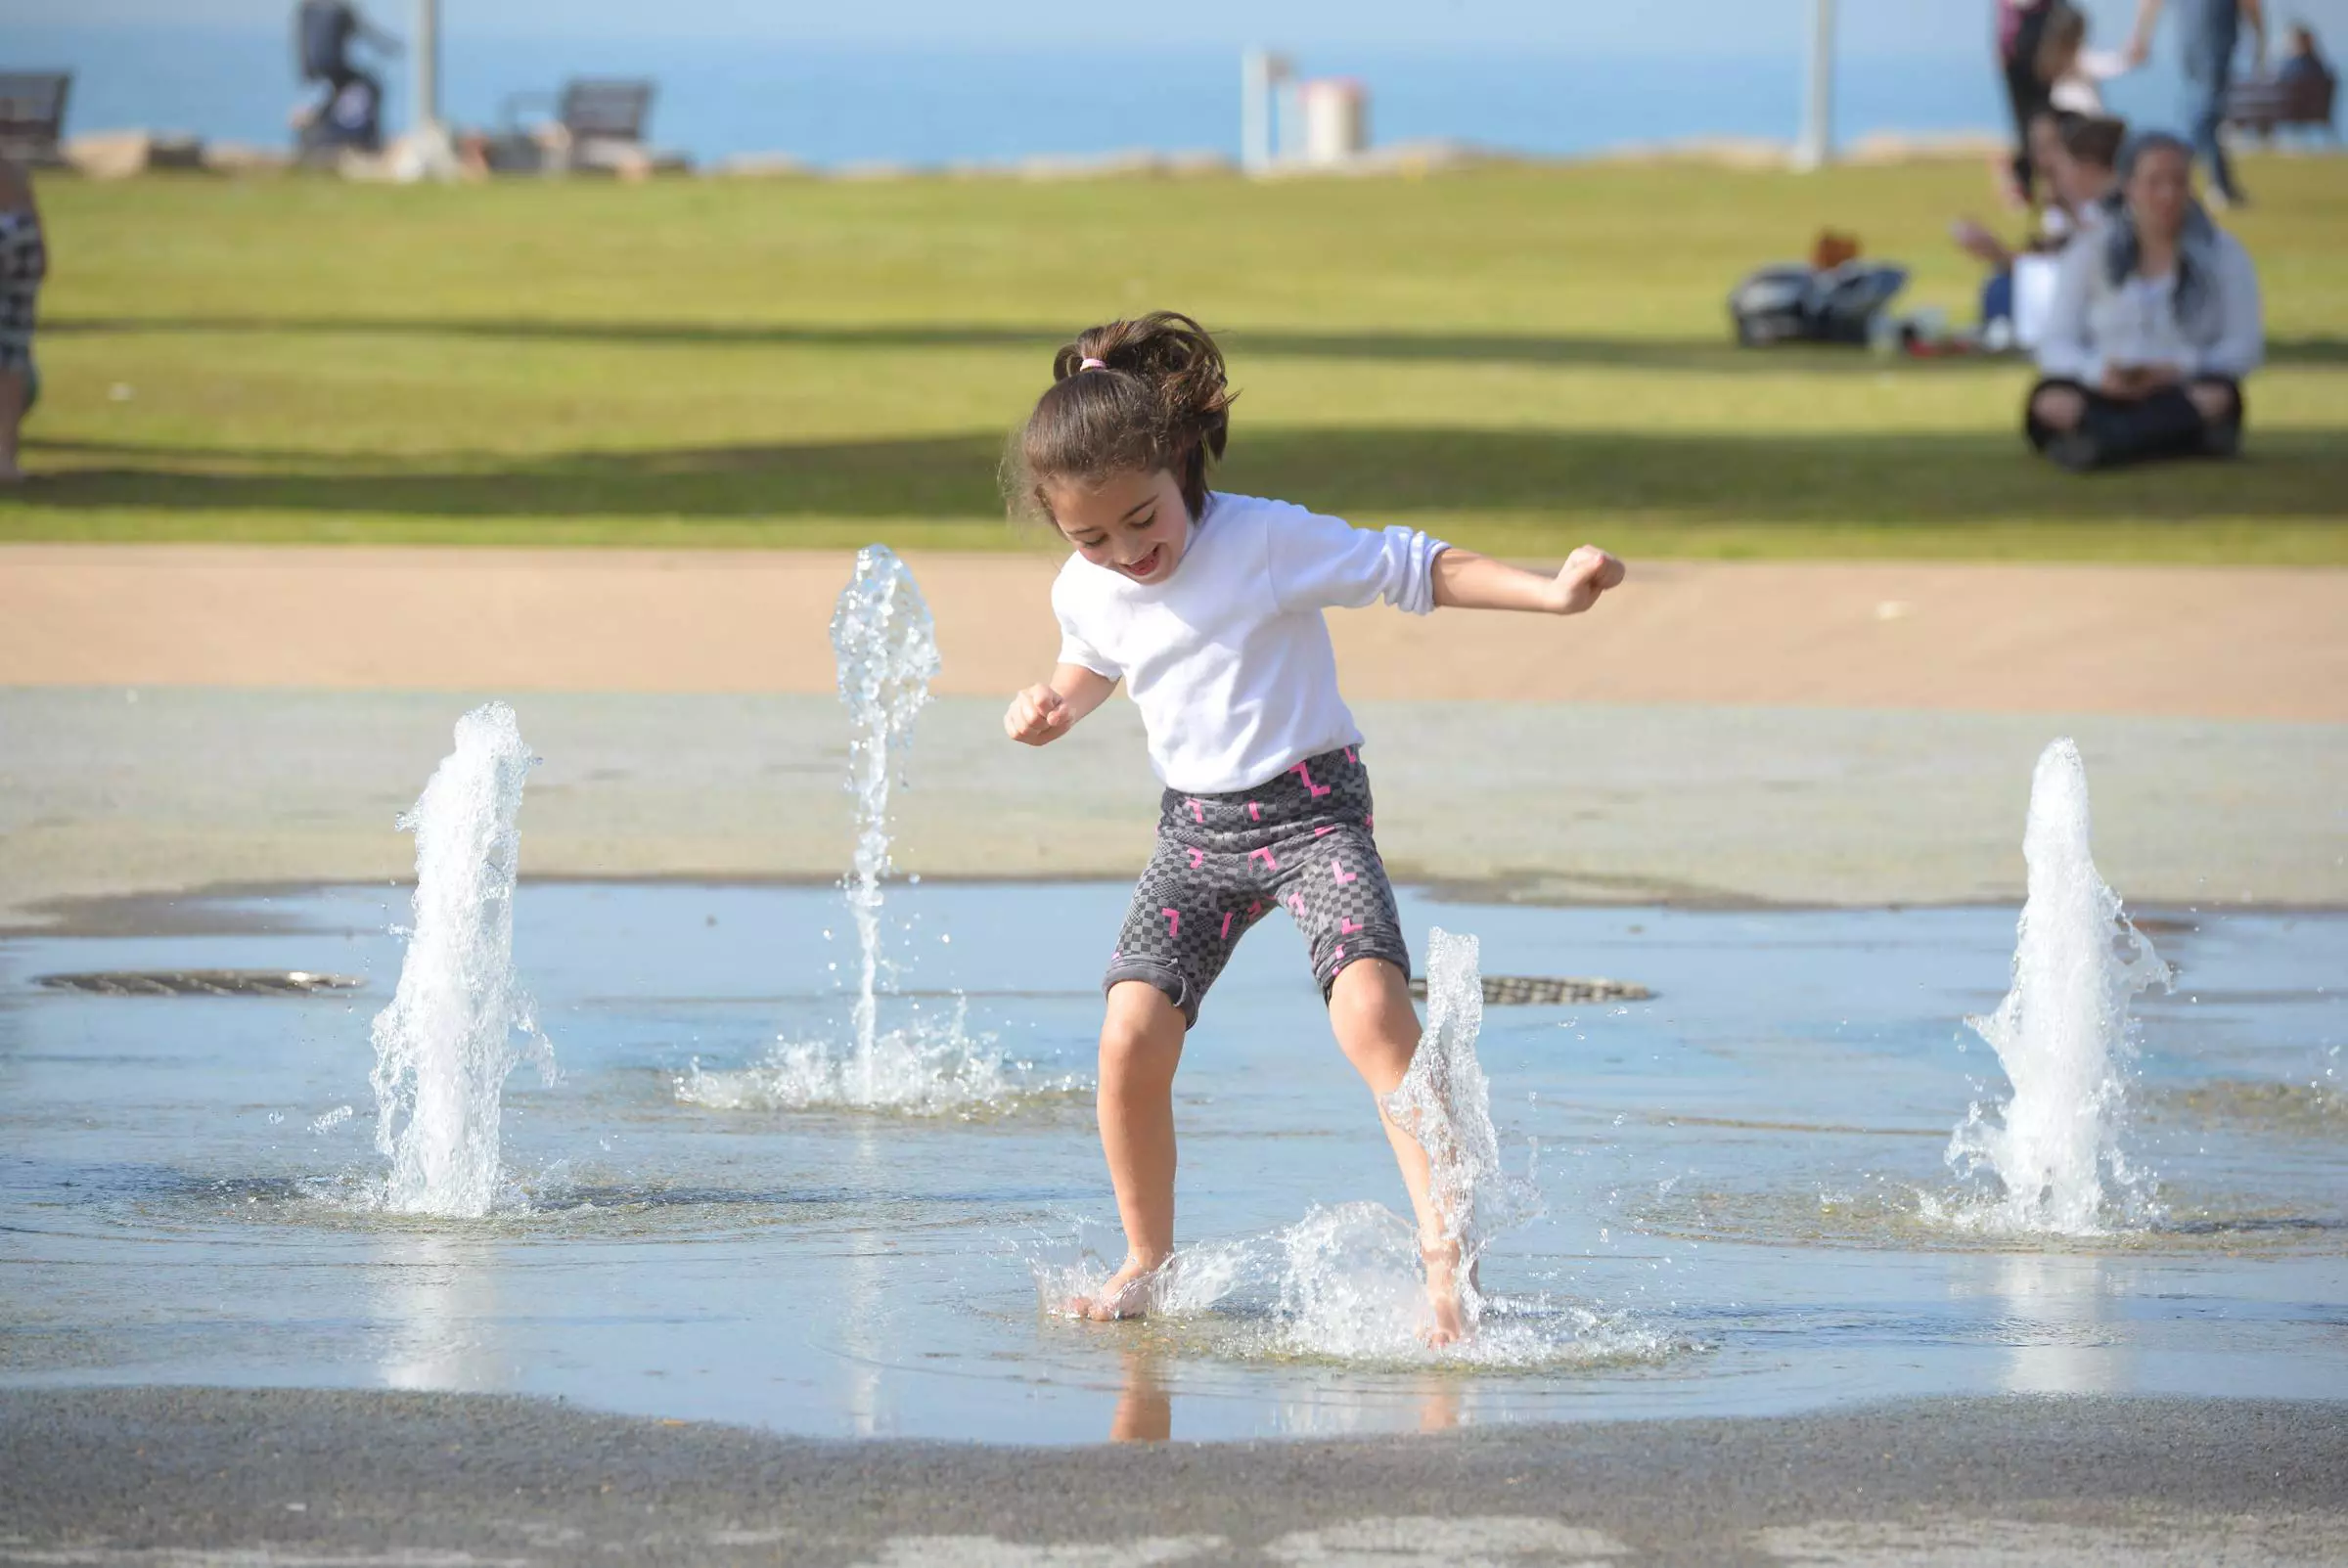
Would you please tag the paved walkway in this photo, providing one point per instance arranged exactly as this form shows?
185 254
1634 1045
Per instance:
107 792
2239 643
177 1478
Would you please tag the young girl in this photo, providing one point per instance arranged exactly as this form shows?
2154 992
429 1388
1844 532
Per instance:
1209 606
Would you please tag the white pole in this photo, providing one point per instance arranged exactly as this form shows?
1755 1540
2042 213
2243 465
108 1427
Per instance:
426 153
1816 149
1255 110
426 113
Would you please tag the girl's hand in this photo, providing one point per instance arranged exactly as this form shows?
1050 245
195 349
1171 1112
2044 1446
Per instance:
1587 573
1038 716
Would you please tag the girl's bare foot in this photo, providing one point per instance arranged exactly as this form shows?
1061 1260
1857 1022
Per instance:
1125 1295
1449 1324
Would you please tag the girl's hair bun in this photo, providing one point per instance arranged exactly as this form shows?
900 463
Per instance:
1156 398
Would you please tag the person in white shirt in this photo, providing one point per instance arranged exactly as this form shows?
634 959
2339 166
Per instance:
2154 324
2079 170
1209 607
2074 74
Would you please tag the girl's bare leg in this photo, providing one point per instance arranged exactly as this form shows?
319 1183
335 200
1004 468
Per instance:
1141 1044
1369 1008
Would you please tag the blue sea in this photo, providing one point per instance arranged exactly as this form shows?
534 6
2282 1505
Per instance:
831 104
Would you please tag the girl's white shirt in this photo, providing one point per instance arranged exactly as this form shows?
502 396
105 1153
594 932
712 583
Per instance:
2080 90
1228 659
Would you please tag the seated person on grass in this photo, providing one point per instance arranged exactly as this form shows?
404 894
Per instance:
2154 324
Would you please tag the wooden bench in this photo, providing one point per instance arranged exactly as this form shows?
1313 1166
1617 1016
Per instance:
597 124
33 115
2265 106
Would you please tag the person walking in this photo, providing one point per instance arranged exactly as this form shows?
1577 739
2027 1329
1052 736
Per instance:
2021 33
2210 31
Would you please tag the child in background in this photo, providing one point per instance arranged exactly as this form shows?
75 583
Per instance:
2074 74
1209 606
23 263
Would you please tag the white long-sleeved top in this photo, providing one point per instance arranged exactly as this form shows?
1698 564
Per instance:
1228 658
2095 323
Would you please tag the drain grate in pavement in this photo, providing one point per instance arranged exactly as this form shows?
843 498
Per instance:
1544 990
200 982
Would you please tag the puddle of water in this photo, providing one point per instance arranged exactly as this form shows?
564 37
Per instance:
1727 1174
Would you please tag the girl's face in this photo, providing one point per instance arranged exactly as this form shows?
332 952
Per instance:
2159 188
1133 523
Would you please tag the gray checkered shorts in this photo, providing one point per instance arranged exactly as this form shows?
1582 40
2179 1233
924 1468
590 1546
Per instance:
1302 842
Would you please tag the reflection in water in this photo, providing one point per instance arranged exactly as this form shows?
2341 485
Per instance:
1439 1407
2057 1320
1144 1408
439 1295
862 1331
1144 1413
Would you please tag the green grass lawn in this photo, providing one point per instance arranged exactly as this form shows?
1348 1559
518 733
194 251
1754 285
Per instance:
1517 358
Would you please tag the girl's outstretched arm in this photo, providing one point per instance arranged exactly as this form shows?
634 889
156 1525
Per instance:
1048 710
1465 580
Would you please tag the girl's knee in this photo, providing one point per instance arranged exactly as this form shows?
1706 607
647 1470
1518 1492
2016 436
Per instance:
1140 1038
1376 1027
1370 992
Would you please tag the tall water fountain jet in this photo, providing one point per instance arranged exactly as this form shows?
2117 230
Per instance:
886 649
2062 1035
459 1022
928 1065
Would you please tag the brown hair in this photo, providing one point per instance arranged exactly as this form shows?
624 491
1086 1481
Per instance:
1158 400
2096 141
2065 35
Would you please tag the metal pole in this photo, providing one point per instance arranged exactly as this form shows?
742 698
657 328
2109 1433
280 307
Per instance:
1255 110
426 114
1816 149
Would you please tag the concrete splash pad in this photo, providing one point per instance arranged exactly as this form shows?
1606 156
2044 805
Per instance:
1730 1171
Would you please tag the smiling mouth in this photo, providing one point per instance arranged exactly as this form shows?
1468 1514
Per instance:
1147 565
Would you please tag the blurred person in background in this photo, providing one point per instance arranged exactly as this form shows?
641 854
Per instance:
23 263
2154 324
2021 32
2303 61
351 112
2081 174
2074 74
2209 32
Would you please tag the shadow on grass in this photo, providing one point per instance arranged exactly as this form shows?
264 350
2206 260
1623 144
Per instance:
1363 472
1513 349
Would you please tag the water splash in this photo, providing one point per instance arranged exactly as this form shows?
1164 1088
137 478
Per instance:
928 1069
445 1044
1344 1286
2064 1036
886 649
1445 1102
1346 1283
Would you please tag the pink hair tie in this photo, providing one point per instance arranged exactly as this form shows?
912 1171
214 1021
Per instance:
1091 364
